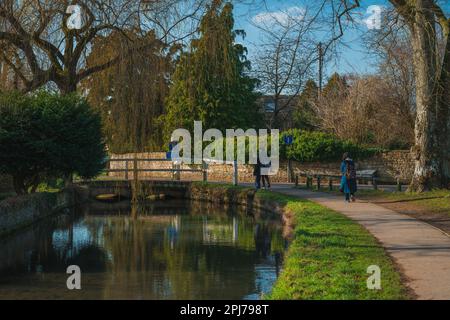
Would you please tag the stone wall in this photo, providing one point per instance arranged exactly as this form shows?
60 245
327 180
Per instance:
22 211
216 172
392 165
389 165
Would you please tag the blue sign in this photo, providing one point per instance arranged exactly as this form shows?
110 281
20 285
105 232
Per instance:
169 154
288 140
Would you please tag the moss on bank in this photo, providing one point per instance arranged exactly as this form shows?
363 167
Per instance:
328 255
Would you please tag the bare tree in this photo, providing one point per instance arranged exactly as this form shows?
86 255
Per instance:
284 60
9 78
429 26
53 52
430 32
365 110
394 51
290 49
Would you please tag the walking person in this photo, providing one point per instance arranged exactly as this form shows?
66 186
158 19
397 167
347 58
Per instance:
265 176
348 180
257 174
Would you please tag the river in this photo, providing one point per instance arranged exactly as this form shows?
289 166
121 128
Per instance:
164 250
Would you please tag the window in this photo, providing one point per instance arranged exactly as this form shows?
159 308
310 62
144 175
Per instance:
269 106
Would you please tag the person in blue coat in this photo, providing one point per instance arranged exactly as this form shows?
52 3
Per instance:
348 180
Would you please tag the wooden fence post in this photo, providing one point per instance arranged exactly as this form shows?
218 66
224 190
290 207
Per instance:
289 171
134 188
135 169
174 173
235 173
205 171
108 167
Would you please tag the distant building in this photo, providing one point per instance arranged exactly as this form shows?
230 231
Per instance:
284 119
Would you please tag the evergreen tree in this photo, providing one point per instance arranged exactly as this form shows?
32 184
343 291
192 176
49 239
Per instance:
47 136
335 86
304 116
210 83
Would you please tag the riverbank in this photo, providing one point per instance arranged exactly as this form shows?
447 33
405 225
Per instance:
19 212
329 253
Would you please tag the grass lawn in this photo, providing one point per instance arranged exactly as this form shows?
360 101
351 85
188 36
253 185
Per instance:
433 202
436 201
41 188
328 255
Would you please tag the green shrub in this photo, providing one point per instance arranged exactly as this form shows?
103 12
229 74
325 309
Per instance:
47 136
318 146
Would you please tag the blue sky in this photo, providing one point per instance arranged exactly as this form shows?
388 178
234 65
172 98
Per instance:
354 58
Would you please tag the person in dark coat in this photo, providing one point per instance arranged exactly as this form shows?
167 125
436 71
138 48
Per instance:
265 177
348 180
257 174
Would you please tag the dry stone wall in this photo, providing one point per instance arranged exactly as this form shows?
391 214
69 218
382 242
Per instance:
389 165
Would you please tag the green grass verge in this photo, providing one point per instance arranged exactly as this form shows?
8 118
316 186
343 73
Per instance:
436 201
41 188
329 255
219 185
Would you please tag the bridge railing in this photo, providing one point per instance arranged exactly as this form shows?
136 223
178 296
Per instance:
176 168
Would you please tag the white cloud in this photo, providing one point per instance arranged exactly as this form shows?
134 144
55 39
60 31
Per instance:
283 17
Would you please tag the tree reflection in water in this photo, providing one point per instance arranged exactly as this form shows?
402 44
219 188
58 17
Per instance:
167 250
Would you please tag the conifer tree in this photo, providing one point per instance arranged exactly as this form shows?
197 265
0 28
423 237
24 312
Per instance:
304 115
210 83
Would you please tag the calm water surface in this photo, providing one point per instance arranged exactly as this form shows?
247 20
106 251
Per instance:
167 250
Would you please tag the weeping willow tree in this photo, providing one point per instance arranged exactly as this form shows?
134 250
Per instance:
130 95
210 83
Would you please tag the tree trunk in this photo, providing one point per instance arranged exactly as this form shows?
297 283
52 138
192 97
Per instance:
428 156
443 128
19 185
68 87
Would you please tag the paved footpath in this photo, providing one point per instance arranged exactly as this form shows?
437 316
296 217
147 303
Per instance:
421 251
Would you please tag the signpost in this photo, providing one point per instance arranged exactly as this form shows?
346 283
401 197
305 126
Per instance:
175 174
288 141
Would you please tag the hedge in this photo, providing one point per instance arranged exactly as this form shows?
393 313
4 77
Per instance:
319 146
